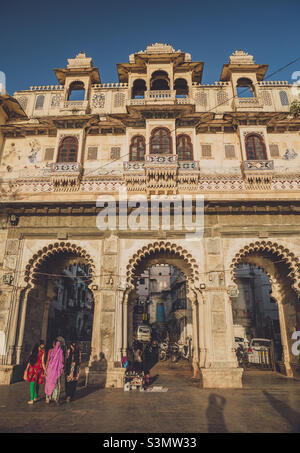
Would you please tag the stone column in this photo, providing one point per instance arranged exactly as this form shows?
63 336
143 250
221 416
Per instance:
195 340
15 296
50 295
283 330
23 310
193 298
202 326
45 319
221 369
95 343
119 326
130 323
104 370
125 325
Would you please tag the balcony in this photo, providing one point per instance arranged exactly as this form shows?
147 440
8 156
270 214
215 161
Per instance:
65 175
161 173
245 104
160 97
258 165
161 159
258 174
77 107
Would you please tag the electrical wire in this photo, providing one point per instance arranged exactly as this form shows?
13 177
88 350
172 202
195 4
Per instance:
199 123
124 155
88 277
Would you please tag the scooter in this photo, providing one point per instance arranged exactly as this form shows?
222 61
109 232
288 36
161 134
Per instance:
163 353
179 351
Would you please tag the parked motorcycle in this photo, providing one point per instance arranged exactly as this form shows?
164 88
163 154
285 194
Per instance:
179 351
164 351
241 356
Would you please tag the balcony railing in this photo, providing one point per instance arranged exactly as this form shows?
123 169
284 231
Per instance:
65 167
134 166
66 175
188 165
74 105
161 159
258 165
258 174
160 97
247 103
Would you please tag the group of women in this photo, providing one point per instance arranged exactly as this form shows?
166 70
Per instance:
59 359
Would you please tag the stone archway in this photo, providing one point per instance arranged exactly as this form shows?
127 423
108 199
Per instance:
167 253
282 268
40 273
149 254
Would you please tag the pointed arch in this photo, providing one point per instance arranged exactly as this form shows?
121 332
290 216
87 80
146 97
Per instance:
148 255
271 253
55 249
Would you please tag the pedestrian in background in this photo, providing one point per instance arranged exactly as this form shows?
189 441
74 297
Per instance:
138 358
35 370
54 372
72 370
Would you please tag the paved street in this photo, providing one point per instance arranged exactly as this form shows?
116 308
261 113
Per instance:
268 403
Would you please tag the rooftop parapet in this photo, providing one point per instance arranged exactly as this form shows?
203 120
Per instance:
80 61
241 57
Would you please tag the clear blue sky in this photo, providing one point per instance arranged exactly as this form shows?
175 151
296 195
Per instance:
37 36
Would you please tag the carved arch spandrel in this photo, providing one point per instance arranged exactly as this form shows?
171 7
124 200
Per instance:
168 250
267 255
58 249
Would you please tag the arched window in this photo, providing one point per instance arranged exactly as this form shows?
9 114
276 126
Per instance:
39 103
184 147
244 88
255 147
181 88
67 151
138 89
160 81
160 141
137 148
76 91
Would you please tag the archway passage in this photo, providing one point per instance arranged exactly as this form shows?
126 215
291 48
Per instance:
256 319
71 311
282 269
162 303
60 302
161 276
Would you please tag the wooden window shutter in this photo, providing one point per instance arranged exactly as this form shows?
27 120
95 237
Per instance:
206 150
115 152
229 152
49 154
274 150
92 153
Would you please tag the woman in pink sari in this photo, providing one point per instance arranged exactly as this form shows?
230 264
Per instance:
54 372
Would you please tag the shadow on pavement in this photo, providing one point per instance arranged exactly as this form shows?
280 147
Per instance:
285 411
82 392
214 414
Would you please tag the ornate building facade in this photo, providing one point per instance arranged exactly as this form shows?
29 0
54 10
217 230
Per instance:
159 131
